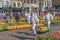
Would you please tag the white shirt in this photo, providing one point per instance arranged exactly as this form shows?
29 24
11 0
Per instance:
3 14
36 17
49 16
27 15
33 20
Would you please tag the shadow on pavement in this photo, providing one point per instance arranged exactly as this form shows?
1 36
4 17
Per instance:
22 38
30 34
41 32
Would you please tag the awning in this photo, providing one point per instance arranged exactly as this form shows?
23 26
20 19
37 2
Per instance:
16 8
57 5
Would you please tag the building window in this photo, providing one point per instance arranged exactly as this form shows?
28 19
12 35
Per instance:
35 1
28 1
14 4
31 1
18 4
25 1
7 2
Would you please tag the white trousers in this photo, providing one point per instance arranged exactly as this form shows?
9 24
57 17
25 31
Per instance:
33 27
48 24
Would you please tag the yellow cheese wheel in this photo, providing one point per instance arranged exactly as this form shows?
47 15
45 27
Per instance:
15 27
9 27
18 26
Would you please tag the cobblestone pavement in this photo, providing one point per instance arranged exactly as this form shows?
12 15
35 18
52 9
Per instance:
23 34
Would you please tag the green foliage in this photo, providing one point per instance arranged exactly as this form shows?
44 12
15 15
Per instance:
48 38
40 17
38 38
55 21
12 24
3 28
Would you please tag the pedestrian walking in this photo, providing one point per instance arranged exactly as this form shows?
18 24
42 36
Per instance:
1 16
5 17
35 14
16 15
34 20
48 18
11 17
54 14
27 16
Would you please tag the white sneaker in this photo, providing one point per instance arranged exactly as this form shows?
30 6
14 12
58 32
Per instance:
34 34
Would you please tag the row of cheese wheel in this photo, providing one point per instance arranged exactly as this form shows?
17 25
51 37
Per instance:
42 28
22 26
2 23
19 26
40 25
